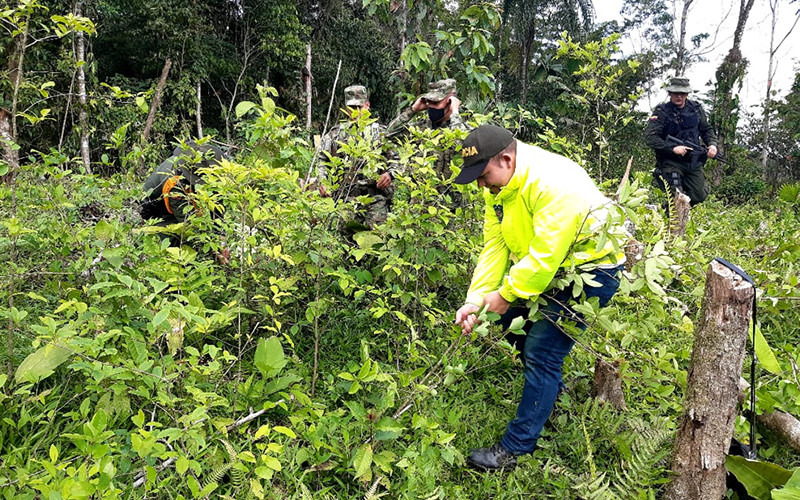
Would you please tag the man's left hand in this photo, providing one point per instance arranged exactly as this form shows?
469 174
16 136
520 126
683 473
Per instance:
384 181
712 151
496 303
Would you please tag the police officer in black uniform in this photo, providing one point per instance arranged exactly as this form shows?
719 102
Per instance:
674 132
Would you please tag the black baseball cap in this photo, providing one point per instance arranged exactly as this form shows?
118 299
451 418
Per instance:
478 148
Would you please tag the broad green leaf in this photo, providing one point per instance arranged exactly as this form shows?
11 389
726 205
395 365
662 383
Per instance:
367 239
243 107
517 324
269 358
388 428
790 491
786 494
261 432
285 431
363 460
41 364
264 472
272 462
764 353
160 317
182 465
759 478
104 231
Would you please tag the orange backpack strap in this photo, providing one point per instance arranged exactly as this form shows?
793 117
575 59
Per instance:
166 188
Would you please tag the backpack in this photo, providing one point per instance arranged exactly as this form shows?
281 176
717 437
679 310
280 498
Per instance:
170 183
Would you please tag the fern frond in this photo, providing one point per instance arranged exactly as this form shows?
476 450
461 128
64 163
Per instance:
647 456
596 489
218 473
790 193
232 454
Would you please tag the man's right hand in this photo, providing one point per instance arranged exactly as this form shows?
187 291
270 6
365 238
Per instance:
681 150
322 191
467 318
419 105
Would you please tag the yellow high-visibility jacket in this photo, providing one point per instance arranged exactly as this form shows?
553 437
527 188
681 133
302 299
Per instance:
546 218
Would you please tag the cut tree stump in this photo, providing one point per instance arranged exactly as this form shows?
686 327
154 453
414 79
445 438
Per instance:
682 208
710 406
607 385
634 252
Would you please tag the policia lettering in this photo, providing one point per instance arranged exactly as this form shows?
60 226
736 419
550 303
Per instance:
686 121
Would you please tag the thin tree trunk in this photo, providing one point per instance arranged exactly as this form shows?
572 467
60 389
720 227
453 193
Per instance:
156 100
199 111
10 155
83 117
712 388
403 35
526 60
8 130
307 78
773 5
730 72
767 99
680 63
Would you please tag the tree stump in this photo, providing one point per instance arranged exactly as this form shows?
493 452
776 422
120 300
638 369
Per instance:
681 217
712 389
607 384
634 252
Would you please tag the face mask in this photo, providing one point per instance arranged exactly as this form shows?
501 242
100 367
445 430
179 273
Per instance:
436 115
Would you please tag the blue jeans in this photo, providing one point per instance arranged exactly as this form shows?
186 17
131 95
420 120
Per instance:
545 348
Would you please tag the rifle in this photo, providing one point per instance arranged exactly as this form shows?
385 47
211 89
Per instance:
699 153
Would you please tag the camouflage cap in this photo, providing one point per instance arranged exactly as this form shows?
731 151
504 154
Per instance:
440 90
679 84
355 95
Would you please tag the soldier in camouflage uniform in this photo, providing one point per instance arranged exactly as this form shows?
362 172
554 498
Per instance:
352 182
442 107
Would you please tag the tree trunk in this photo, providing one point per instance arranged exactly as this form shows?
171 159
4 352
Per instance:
156 100
307 78
83 117
527 48
8 130
773 5
712 388
10 155
607 384
680 61
730 73
8 118
199 111
767 98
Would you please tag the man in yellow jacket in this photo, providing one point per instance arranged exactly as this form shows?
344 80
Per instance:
543 213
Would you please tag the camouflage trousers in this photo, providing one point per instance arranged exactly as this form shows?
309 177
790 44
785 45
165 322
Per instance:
356 217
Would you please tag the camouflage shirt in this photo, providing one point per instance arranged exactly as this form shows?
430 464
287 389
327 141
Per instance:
408 118
354 175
